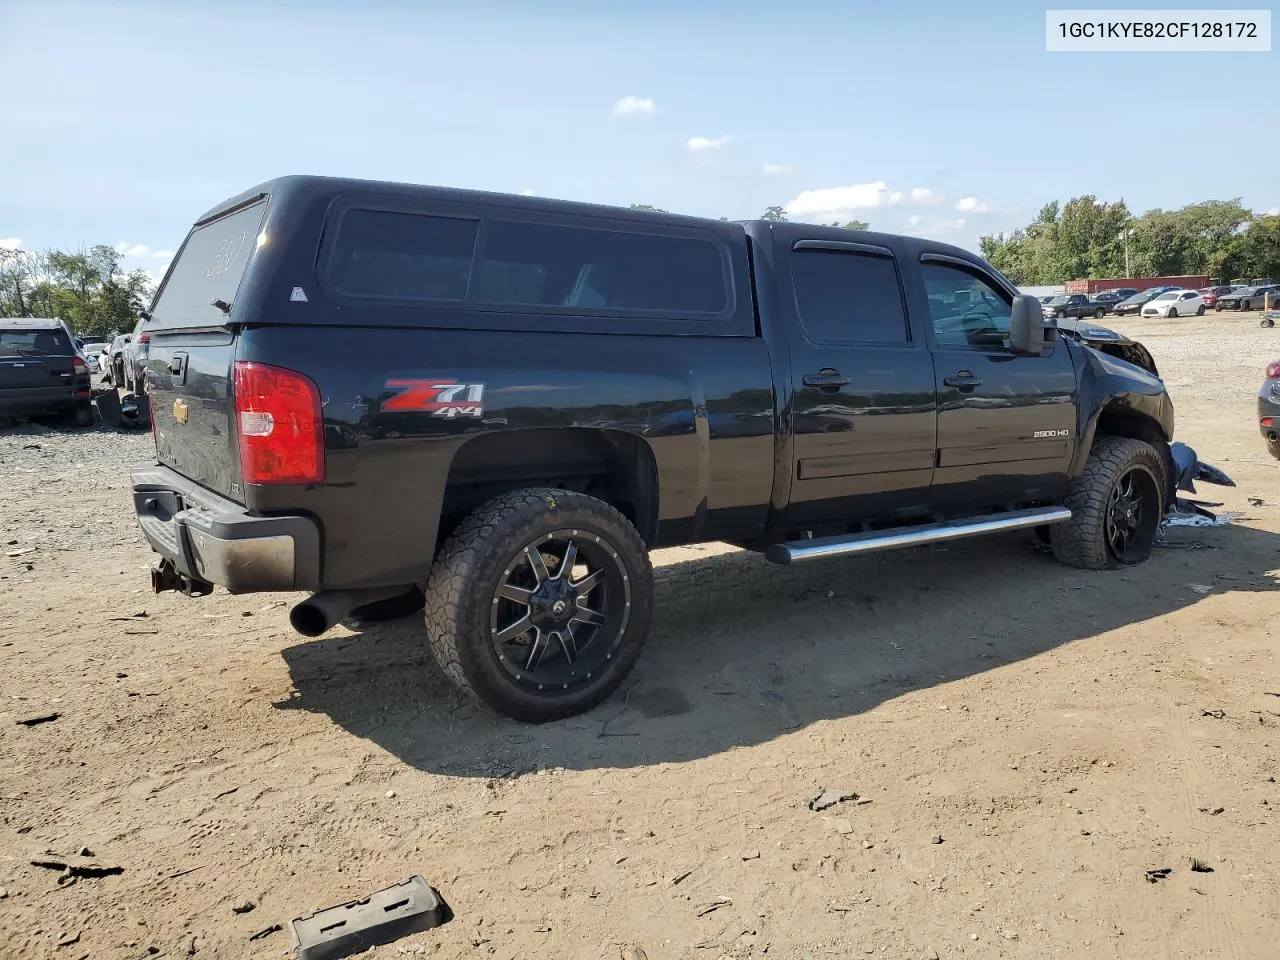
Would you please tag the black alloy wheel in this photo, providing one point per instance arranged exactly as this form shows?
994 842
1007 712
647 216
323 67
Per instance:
559 611
1133 518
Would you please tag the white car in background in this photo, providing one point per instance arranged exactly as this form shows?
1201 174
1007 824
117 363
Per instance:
1175 303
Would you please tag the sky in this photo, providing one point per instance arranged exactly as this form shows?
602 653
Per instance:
123 121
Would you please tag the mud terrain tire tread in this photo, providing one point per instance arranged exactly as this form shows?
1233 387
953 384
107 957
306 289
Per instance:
1081 541
459 593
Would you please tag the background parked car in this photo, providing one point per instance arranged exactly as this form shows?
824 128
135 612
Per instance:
1174 303
1073 305
1109 298
115 360
1116 296
135 367
1210 295
1135 303
1269 408
92 348
42 372
1248 298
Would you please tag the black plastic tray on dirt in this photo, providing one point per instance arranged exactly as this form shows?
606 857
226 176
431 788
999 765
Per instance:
397 911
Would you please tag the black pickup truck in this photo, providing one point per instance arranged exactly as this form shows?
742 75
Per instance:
1075 306
390 395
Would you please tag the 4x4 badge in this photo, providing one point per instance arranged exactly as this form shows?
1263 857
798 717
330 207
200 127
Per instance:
440 398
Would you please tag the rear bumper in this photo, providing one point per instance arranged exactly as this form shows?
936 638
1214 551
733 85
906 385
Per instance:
1269 407
205 537
29 400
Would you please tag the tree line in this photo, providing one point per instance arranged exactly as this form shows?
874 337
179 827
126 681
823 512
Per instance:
1089 238
88 289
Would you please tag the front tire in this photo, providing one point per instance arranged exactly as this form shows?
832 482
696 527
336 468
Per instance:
540 602
1116 505
1172 314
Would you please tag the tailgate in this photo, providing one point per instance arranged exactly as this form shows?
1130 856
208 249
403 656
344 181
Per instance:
192 348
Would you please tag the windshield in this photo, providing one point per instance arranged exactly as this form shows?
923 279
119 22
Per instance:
34 343
1167 296
1060 299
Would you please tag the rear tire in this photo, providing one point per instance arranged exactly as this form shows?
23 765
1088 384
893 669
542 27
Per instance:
1099 314
503 568
1200 311
1117 505
84 414
1273 448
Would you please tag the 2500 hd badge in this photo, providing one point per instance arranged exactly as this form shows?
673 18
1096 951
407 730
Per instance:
1043 434
440 398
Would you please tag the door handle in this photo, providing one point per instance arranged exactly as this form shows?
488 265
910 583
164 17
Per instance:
826 379
963 379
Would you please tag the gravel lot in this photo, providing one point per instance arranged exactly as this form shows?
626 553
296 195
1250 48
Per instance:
1032 741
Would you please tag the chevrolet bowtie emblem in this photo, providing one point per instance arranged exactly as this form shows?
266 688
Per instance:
180 412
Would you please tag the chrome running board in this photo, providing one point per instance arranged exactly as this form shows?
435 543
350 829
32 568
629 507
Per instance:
845 545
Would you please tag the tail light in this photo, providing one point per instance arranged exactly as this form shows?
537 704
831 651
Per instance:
279 423
81 369
1273 370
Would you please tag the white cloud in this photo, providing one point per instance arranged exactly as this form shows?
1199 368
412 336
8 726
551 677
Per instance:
924 196
142 251
527 192
971 205
936 229
10 243
776 169
703 144
833 203
1273 212
628 106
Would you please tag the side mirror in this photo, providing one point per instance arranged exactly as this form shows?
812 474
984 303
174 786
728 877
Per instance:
1026 328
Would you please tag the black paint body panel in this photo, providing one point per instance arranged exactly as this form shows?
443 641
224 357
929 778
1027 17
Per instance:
710 419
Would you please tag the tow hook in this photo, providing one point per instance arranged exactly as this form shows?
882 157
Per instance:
166 577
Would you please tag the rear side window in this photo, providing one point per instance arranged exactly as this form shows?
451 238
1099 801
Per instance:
403 255
844 296
209 267
35 343
519 264
592 269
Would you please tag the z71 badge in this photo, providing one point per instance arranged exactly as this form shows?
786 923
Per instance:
440 398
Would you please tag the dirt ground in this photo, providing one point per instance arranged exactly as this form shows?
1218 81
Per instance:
1032 741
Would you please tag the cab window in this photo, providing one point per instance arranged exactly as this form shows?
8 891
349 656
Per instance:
966 311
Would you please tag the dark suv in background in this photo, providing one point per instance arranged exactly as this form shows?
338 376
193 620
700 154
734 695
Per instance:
42 372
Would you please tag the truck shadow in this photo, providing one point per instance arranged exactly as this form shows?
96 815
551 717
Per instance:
743 651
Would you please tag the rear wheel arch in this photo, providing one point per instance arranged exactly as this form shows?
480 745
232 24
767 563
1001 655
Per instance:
611 465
